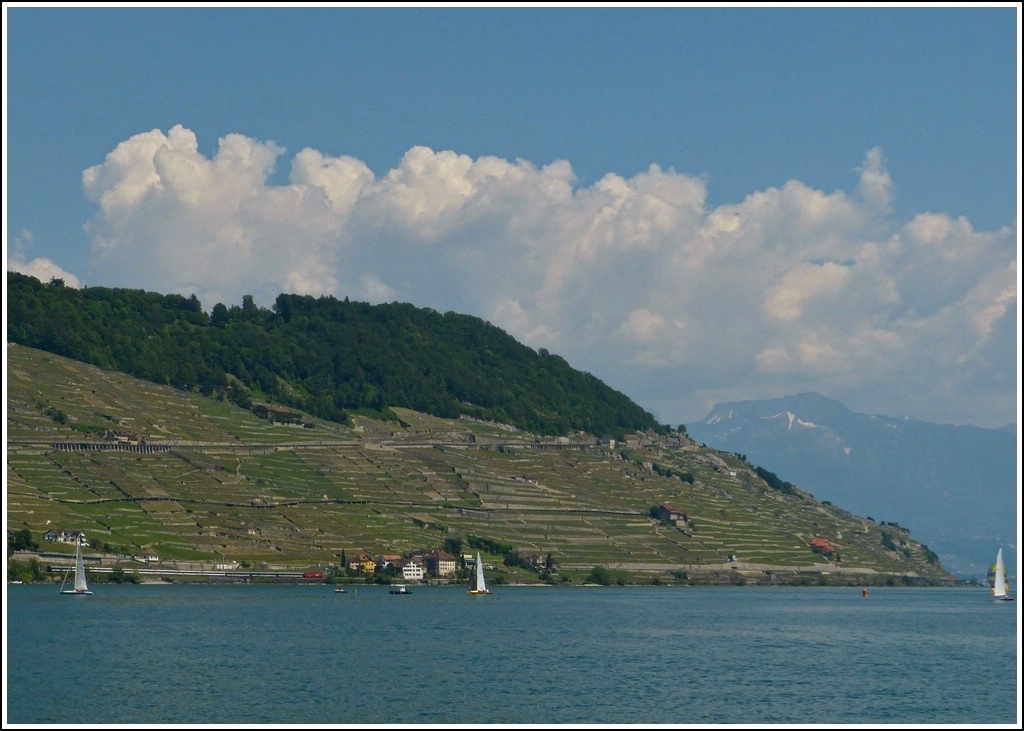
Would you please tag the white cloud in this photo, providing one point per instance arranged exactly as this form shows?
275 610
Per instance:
875 182
632 278
41 268
44 270
803 286
341 179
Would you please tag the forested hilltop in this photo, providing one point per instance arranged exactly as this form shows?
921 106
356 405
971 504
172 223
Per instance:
323 356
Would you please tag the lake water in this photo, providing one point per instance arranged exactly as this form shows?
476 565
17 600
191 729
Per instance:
247 655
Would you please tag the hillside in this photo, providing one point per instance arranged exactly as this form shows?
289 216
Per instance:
955 487
193 477
327 357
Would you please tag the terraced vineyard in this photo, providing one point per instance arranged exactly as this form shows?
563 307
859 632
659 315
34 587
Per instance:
194 478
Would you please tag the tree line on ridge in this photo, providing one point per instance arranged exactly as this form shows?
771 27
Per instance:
325 356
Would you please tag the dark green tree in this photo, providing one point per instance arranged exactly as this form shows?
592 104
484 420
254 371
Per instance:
219 315
453 545
21 540
600 575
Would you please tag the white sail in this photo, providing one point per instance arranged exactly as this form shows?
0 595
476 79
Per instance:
481 585
477 585
999 581
81 585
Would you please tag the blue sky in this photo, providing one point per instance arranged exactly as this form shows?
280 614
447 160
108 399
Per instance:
696 205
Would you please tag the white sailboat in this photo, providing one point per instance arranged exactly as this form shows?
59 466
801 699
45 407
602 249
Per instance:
81 587
997 579
477 585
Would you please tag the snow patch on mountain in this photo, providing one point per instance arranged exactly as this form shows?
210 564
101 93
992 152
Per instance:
791 419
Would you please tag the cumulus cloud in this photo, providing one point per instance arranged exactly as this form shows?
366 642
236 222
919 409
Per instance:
633 278
41 268
875 182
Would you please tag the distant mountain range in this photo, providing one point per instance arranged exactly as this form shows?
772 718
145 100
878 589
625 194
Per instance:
954 487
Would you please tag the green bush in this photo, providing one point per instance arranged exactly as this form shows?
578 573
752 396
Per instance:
599 575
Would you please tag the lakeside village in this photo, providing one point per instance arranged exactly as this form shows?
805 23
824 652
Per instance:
424 566
450 564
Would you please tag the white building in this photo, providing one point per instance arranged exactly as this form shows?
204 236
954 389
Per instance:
412 570
66 536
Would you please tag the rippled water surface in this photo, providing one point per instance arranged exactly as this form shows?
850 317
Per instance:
531 655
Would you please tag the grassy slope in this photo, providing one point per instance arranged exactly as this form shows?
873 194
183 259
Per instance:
233 486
